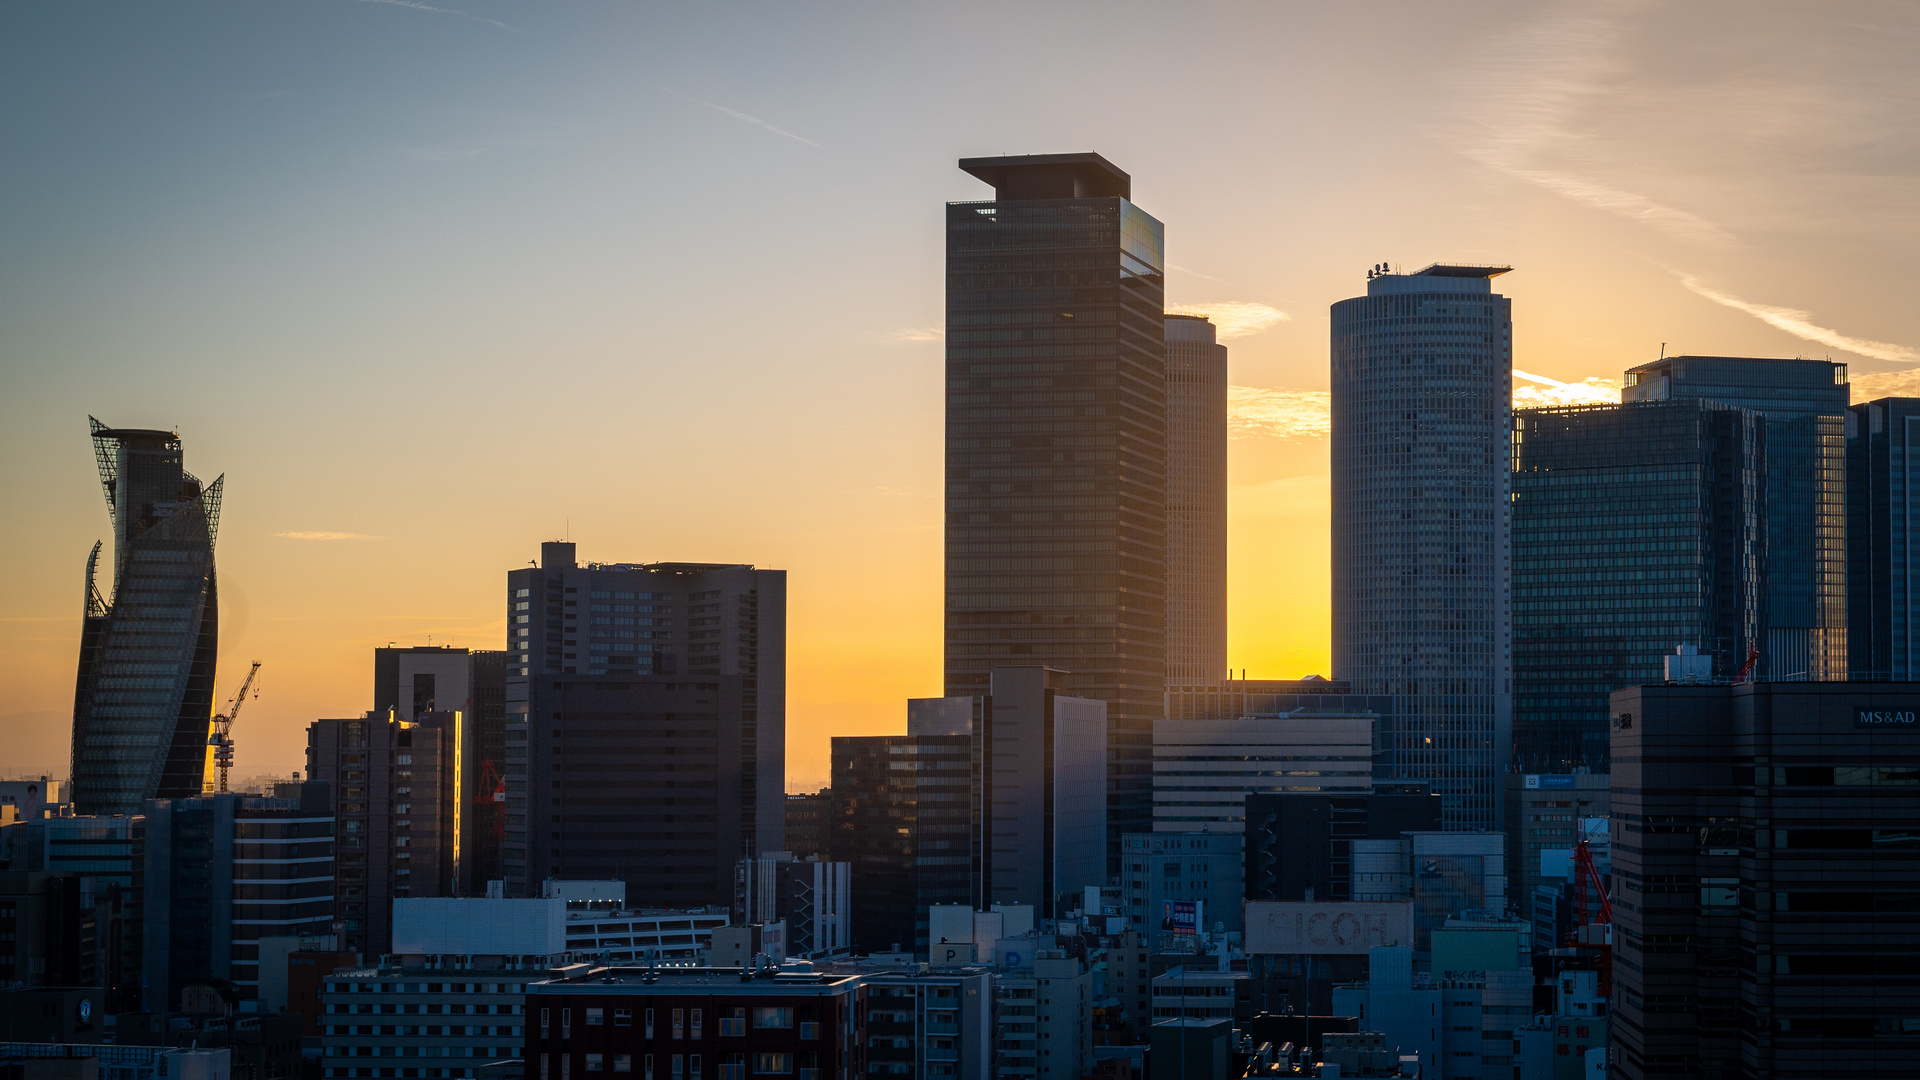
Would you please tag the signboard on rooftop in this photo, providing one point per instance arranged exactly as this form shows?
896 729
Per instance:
1281 928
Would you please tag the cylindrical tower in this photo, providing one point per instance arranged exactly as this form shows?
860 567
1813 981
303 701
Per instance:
1422 403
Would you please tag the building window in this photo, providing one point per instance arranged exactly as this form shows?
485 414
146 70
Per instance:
594 1063
546 1022
596 1017
772 1018
733 1022
679 1032
696 1035
623 1018
679 1067
693 1060
772 1063
623 1063
647 1066
649 1023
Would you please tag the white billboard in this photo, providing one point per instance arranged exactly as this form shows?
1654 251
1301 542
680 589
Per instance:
1276 928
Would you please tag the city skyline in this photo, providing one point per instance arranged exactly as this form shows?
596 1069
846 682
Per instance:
364 396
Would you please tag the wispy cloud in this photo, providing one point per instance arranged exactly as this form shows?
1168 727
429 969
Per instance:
1532 88
1799 324
1592 390
919 333
1266 412
326 536
1197 274
743 117
1868 385
416 6
1235 318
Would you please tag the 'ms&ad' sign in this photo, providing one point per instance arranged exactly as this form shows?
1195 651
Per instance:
1887 719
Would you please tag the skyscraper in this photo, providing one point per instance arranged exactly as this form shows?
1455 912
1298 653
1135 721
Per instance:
1041 812
646 724
1882 500
1196 503
1805 403
1422 394
1636 529
413 681
143 701
1056 466
902 817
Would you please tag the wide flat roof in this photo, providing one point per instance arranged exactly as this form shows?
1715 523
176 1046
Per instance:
1084 175
1465 270
667 980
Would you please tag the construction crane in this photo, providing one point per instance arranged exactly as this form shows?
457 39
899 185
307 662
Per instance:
1745 674
492 793
1592 928
222 738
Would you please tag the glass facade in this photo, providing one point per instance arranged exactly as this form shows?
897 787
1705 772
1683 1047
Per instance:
1196 503
1636 528
902 815
1056 496
1422 395
1882 437
143 698
1805 404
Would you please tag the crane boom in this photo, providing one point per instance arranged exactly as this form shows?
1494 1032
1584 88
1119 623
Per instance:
222 738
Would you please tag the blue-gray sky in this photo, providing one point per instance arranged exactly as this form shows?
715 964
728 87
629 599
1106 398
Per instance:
433 282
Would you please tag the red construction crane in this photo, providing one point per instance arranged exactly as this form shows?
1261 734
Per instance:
492 791
1592 927
1745 674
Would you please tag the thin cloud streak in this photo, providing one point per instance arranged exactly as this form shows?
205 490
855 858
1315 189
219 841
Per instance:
1235 318
326 536
919 333
1592 390
1797 323
1255 412
415 5
738 115
1535 83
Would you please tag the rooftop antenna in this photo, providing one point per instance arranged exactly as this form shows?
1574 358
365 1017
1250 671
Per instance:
1663 350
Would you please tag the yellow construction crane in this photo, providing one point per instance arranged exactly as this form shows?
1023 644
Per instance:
222 738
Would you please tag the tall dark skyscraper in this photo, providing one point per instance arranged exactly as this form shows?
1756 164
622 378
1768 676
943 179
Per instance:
1057 449
902 816
1882 500
1636 529
1805 403
413 681
1766 880
1196 503
143 701
1422 396
646 724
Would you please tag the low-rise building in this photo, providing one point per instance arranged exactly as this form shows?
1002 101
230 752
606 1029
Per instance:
443 1016
1044 1023
696 1024
930 1024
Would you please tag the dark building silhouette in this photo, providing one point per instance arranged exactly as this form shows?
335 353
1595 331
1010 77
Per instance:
413 681
646 725
1300 847
1422 397
143 701
902 817
1196 503
1766 880
1805 405
397 812
1882 640
1056 451
807 817
1637 529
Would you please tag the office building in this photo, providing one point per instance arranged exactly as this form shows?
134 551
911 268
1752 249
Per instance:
1444 873
1043 1018
1766 902
1056 449
413 681
84 870
935 1024
1161 869
143 700
903 821
814 899
397 814
1422 384
1300 847
1547 814
1043 770
25 800
220 872
807 817
439 1016
1882 502
1637 529
646 724
1805 405
1203 770
695 1022
1196 503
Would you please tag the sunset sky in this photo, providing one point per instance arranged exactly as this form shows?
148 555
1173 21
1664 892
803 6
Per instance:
431 283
